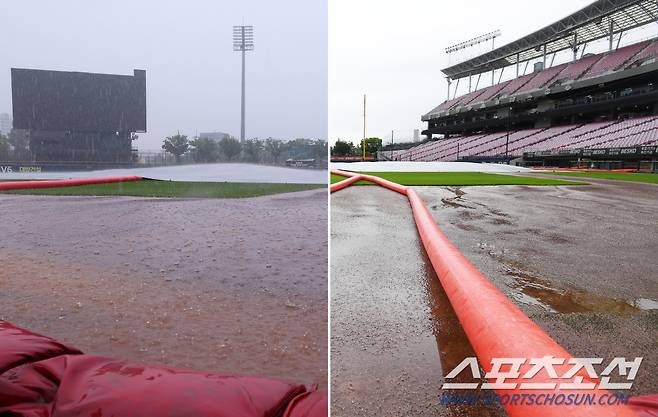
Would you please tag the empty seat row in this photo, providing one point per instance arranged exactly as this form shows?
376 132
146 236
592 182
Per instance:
629 132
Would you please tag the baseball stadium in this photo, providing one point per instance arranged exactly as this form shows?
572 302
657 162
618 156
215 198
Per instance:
153 288
523 226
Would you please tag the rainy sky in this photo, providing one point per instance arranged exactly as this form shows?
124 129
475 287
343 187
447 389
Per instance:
394 52
193 75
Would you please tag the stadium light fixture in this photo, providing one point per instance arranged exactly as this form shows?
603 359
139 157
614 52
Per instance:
491 36
243 41
475 41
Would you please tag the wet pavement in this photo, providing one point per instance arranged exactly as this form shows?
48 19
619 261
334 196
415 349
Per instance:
393 331
226 285
580 261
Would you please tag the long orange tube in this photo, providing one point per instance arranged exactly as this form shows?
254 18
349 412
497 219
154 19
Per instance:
345 183
18 185
495 327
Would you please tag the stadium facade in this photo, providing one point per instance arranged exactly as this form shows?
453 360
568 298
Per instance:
75 118
599 110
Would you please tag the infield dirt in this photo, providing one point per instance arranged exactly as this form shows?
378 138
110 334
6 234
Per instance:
227 285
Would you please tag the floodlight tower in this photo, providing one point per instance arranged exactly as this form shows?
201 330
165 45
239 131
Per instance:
243 41
491 36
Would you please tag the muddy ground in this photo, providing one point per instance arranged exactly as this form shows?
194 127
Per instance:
580 261
227 285
388 312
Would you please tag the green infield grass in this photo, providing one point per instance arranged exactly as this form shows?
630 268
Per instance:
458 179
172 189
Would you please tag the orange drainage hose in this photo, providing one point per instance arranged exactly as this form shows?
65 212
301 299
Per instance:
495 327
345 183
19 185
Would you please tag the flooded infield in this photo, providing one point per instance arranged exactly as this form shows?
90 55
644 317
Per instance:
580 261
232 285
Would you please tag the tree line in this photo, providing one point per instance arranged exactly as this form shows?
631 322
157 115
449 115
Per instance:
13 147
346 148
229 149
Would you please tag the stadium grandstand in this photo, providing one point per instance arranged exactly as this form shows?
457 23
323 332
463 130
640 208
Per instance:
595 109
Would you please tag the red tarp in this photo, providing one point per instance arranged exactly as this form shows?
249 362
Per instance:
56 380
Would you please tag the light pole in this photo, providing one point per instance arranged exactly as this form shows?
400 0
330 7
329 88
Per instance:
243 41
363 144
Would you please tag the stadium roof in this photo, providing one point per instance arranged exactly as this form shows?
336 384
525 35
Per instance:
589 24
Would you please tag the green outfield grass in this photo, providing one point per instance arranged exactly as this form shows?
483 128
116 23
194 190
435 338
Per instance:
458 178
173 189
620 176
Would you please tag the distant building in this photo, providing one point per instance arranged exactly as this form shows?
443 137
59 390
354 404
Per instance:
416 135
5 124
216 136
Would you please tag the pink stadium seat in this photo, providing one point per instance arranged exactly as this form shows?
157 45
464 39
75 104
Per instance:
543 78
651 51
490 92
574 70
514 85
615 59
630 132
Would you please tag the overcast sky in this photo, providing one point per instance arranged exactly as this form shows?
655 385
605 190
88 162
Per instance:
393 52
193 76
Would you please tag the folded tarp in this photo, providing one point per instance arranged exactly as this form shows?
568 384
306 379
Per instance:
19 346
51 379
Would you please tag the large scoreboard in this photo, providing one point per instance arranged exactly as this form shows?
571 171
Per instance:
78 101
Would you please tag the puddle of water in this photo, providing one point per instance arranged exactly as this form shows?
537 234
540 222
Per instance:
537 291
452 344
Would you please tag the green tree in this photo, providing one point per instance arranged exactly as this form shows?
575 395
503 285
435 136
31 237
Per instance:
230 147
176 145
204 150
342 148
320 150
275 148
252 149
4 147
373 145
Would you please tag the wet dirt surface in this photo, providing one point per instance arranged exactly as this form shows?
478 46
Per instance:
580 261
393 333
227 285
